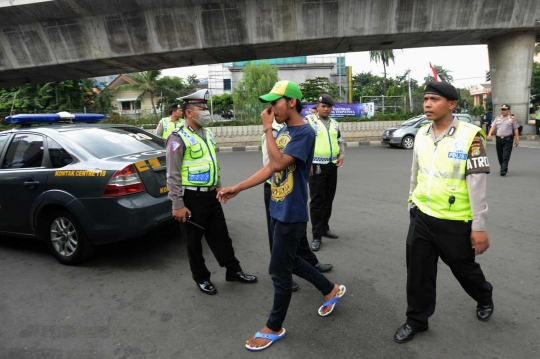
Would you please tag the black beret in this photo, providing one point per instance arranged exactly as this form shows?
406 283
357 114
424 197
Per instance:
174 107
442 89
324 98
505 106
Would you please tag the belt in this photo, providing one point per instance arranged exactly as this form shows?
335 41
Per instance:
201 189
503 137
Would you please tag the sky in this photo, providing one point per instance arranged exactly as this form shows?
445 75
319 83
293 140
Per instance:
467 64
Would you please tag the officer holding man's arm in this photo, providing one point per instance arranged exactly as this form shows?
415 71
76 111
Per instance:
329 155
192 180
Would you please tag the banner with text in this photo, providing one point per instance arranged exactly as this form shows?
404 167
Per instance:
362 110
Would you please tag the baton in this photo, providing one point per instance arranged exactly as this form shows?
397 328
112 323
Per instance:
195 224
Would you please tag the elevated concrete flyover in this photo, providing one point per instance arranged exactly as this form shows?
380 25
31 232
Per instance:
52 40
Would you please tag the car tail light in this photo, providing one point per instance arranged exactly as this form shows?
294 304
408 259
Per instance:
123 182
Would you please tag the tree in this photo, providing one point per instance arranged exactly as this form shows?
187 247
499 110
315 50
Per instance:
312 88
383 56
176 85
465 101
147 84
256 80
444 75
222 104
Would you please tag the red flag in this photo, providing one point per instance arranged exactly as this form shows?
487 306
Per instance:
436 77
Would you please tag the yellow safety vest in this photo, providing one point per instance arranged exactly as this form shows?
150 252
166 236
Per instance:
441 173
275 127
168 126
326 142
199 167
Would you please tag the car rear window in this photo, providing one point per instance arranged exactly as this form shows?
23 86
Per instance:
114 141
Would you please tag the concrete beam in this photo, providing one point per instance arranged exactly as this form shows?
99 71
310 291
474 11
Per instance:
71 39
511 60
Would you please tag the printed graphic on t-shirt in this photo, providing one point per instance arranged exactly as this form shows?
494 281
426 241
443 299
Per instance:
283 181
477 161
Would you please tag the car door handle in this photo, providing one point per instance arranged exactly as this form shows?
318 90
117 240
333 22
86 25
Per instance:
31 184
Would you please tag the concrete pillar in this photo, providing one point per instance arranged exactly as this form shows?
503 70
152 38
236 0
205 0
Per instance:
511 61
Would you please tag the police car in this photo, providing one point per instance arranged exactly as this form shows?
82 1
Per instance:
75 184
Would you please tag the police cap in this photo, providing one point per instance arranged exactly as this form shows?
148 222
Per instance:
442 89
324 98
505 106
175 106
199 99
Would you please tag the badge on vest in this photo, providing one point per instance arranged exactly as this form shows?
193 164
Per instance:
459 148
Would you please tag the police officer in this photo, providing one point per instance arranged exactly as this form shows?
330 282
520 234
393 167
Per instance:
167 125
192 180
448 211
507 136
303 250
329 155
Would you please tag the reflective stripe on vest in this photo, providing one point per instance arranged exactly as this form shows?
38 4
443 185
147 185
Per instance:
275 127
168 127
326 142
199 167
441 173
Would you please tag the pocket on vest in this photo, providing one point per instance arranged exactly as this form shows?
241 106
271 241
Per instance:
199 174
196 151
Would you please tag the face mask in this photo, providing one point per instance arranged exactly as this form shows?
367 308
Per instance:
204 118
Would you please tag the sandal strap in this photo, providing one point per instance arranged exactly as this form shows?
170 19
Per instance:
272 337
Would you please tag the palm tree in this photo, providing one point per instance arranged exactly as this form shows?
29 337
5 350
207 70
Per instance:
383 56
147 83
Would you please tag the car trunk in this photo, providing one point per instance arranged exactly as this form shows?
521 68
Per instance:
152 169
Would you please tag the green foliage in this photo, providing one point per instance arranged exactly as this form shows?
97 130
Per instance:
174 87
465 101
384 57
535 84
256 81
477 110
313 87
222 104
71 95
148 84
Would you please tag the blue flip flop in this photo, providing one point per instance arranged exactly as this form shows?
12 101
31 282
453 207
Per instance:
333 301
272 337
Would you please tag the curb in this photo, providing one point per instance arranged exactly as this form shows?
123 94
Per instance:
258 148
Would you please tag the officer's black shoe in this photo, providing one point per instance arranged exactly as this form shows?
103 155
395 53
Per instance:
503 174
207 287
316 244
484 312
406 333
323 267
330 234
240 277
294 286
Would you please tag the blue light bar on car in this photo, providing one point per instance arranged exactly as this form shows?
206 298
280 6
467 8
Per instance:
28 119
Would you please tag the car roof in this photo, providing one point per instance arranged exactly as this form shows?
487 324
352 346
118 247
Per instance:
62 127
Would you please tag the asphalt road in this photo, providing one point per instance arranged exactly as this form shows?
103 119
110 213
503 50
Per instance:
136 299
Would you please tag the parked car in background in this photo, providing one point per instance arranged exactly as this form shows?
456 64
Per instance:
78 185
403 135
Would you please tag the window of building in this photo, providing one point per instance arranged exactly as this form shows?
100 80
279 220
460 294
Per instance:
126 106
58 155
25 151
226 84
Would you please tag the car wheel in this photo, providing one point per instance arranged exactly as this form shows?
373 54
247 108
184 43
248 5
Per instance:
407 142
66 238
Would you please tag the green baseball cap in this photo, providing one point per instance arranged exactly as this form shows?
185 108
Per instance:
282 89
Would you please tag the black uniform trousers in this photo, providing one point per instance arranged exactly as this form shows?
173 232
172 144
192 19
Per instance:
504 150
303 249
322 190
428 239
206 211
